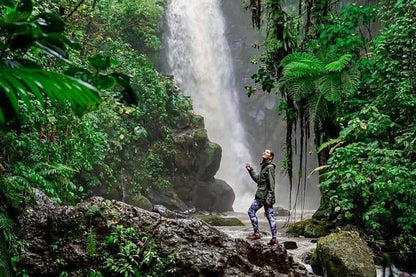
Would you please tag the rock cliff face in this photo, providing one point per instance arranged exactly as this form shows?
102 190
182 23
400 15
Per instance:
57 241
196 161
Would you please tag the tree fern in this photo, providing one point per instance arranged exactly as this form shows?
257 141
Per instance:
317 84
299 88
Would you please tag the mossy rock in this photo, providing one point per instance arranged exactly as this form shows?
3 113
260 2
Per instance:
216 220
322 214
209 161
311 228
201 137
142 202
197 120
345 254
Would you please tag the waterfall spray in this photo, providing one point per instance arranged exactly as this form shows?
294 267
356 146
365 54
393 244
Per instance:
200 59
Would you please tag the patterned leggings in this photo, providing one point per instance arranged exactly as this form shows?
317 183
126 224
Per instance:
255 206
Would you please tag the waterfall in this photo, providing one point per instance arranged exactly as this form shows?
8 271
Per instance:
199 57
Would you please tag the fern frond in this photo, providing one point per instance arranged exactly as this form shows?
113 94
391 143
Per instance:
331 87
298 88
91 243
327 144
301 57
55 169
319 108
340 64
297 69
5 266
350 82
11 188
5 222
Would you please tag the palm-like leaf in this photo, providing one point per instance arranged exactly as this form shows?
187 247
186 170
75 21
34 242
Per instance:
297 87
316 84
301 64
302 58
340 64
22 85
350 81
330 87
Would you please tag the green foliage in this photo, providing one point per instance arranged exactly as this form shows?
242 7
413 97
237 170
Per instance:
344 32
49 154
371 186
128 254
103 76
46 76
27 33
9 245
5 238
369 179
317 84
91 243
138 21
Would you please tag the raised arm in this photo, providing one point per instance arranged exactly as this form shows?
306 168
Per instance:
252 173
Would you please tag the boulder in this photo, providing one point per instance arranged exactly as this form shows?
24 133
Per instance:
196 162
141 202
214 196
279 211
56 240
216 220
290 245
345 254
209 161
167 197
310 228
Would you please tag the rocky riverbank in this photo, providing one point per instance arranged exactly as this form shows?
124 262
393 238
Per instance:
300 249
77 239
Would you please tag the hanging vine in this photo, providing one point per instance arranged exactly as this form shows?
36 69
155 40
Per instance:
285 35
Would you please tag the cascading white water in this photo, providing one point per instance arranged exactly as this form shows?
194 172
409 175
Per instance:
200 59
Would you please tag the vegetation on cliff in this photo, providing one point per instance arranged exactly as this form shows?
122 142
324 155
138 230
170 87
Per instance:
348 72
80 103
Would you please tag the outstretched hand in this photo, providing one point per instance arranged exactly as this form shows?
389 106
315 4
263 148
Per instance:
248 166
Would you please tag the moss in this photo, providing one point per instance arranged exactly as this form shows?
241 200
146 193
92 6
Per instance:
216 220
142 202
322 214
345 254
197 120
310 228
201 136
212 151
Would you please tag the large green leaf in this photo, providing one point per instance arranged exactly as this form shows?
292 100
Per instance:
23 85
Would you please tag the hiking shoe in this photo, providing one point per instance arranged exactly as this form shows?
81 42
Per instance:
254 236
273 241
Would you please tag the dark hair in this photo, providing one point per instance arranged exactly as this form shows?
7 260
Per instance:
272 154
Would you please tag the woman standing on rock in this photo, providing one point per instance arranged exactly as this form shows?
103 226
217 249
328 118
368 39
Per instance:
264 195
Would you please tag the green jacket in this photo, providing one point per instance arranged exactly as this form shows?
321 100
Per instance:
265 182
